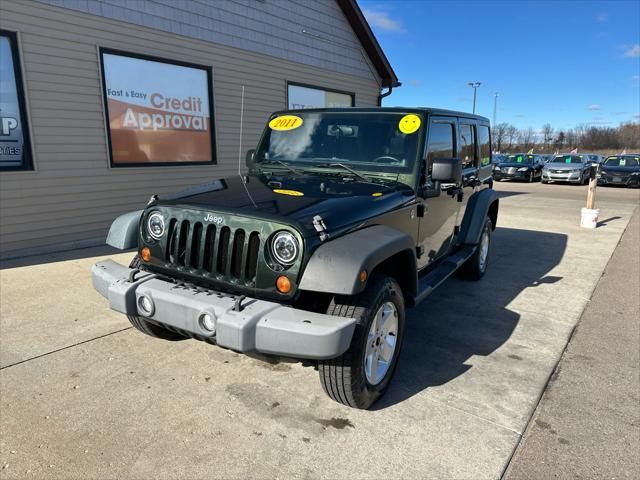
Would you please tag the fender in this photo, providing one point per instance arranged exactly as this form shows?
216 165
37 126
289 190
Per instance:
123 233
334 267
478 207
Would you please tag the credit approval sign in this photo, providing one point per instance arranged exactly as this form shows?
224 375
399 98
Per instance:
159 112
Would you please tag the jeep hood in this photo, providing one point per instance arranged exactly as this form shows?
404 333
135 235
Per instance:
296 199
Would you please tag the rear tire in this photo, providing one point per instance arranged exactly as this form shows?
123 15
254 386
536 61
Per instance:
144 325
361 375
476 266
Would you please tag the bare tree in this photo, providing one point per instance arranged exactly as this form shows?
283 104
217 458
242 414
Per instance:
527 139
499 134
547 135
512 135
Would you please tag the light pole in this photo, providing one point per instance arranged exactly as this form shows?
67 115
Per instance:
495 107
475 86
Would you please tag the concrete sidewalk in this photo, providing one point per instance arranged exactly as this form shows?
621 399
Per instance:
84 396
588 422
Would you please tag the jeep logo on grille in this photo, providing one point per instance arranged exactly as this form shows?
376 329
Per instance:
214 219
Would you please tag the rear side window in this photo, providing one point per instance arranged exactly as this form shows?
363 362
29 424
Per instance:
467 146
484 139
440 142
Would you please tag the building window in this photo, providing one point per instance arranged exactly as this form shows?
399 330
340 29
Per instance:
307 96
15 146
158 112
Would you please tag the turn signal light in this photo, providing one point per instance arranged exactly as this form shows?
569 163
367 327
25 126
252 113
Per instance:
145 253
362 276
283 284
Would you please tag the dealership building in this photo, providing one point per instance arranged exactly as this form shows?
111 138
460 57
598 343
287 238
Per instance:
106 102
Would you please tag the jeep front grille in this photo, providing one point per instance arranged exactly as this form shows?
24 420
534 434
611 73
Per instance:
209 250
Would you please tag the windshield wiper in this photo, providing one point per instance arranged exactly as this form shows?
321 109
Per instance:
343 166
279 162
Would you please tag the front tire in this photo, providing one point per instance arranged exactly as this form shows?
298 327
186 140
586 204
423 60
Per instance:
362 374
144 325
476 266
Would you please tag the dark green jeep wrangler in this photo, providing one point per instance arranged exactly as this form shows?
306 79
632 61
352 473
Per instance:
346 218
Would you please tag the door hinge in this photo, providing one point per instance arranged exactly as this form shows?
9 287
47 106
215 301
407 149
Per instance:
419 251
420 210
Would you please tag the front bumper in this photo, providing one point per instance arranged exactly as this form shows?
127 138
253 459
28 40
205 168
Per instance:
505 175
571 177
257 326
624 180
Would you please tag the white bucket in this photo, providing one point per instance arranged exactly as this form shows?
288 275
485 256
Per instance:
589 217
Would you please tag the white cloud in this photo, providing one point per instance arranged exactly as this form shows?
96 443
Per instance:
415 82
636 77
636 115
633 51
602 17
383 21
594 106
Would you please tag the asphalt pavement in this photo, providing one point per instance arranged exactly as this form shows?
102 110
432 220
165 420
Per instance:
83 395
588 422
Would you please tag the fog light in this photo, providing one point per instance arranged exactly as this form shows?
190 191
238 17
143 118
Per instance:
283 284
145 305
207 321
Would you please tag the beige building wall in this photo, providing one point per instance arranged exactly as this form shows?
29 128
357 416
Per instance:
72 195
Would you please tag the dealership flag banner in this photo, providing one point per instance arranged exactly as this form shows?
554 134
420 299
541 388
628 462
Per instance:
158 112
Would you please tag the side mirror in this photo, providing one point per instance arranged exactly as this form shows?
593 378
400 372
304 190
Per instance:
447 170
249 159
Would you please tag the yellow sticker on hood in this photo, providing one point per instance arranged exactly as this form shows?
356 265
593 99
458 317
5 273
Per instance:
409 123
285 122
293 193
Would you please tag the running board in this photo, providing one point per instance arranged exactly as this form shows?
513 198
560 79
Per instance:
434 278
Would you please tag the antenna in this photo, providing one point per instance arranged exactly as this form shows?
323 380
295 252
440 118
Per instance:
241 119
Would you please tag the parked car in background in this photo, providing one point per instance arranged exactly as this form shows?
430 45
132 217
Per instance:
520 166
498 158
547 158
569 167
620 170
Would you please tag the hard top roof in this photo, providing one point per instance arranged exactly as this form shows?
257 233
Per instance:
423 110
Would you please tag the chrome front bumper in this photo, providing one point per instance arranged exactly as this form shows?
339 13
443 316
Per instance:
253 326
573 177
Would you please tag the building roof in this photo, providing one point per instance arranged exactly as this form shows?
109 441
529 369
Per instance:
361 27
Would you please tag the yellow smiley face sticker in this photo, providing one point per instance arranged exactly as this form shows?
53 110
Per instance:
409 123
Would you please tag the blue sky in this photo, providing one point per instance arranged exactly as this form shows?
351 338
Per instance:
562 62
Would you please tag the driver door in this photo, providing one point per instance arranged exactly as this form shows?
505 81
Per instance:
439 201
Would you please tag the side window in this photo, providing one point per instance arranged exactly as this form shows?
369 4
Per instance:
484 139
440 142
467 146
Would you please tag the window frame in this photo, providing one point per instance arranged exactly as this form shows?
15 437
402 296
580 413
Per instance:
316 87
27 148
152 58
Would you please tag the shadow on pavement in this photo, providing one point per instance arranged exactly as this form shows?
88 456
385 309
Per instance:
504 194
604 222
462 319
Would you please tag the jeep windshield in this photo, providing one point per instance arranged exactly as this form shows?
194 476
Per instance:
365 142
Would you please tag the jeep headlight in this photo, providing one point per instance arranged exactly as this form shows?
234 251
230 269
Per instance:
523 169
284 247
155 225
497 168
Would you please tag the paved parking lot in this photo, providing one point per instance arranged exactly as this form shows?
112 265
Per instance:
83 395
